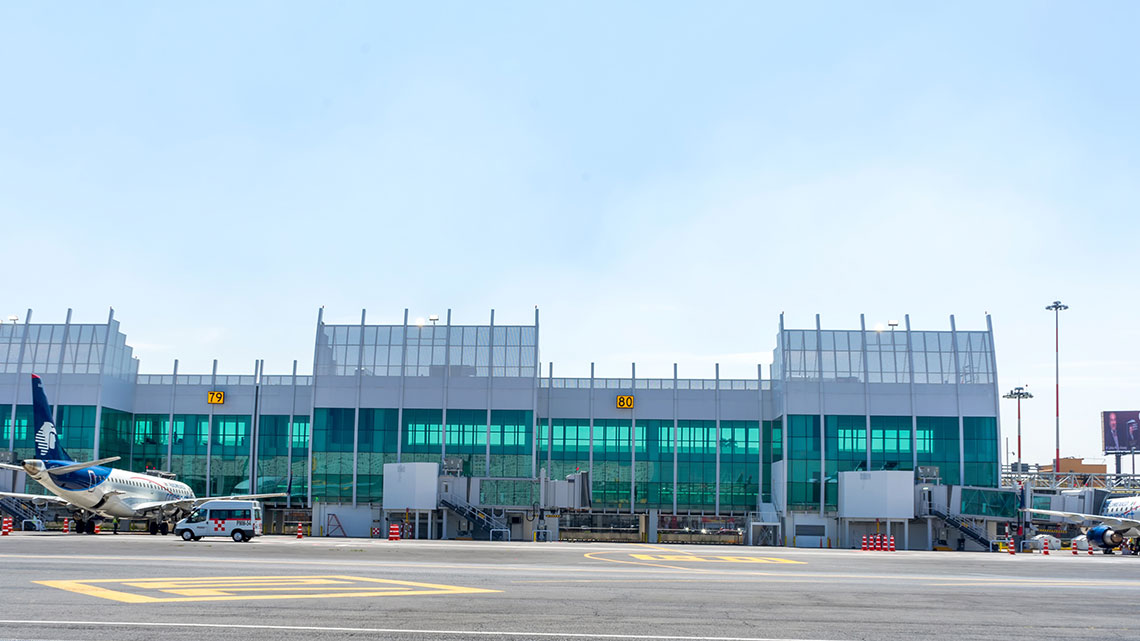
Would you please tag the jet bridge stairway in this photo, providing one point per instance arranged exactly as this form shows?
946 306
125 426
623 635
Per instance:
482 519
965 527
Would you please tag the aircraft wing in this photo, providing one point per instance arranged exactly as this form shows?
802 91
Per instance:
182 504
243 497
9 466
47 498
189 504
1077 517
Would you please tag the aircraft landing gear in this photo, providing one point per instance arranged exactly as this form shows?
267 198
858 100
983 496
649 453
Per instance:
153 527
90 527
164 528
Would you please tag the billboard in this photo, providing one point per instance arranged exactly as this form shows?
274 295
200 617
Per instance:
1121 431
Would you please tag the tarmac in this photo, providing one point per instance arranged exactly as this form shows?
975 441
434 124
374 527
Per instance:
56 587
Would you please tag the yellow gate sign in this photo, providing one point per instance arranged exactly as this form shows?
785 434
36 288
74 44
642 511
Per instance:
625 402
215 398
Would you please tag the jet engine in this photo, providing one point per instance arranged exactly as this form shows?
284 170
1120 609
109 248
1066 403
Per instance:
1104 537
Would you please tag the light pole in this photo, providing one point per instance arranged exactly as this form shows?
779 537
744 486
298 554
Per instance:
1057 307
1018 393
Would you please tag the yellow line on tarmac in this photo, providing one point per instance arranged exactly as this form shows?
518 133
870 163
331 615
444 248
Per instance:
590 555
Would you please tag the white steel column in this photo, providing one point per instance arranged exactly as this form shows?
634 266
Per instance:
591 467
356 406
313 408
170 419
490 388
549 416
822 419
400 402
866 383
997 392
632 440
958 403
255 428
674 435
446 385
210 433
289 440
913 414
533 400
716 419
59 371
99 392
784 405
759 441
16 387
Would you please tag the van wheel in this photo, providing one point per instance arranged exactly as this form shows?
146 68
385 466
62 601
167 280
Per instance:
238 536
187 535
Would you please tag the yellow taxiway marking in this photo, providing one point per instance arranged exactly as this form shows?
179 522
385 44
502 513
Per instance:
242 588
687 557
713 559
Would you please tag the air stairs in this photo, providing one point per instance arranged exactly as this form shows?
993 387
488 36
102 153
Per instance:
965 527
482 519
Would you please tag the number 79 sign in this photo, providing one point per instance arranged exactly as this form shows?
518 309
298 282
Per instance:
215 398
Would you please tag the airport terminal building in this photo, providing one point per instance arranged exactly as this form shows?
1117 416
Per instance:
478 401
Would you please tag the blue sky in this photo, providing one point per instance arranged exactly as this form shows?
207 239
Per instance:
661 179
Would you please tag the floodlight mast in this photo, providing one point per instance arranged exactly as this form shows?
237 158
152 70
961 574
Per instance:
1057 307
1018 393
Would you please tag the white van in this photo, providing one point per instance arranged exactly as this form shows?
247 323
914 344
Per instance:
239 520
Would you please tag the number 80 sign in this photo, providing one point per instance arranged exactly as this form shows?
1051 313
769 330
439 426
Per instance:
625 402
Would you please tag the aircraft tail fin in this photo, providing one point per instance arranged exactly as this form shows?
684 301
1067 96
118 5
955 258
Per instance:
48 446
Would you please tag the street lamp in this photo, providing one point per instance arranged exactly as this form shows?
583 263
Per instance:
1018 393
1057 307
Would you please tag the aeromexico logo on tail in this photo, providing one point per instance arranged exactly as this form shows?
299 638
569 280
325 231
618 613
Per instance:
45 440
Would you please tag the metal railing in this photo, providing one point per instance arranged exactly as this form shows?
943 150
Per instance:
965 527
481 518
1072 480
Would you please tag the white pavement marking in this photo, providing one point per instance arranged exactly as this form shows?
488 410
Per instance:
313 628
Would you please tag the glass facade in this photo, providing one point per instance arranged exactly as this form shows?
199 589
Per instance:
803 455
998 503
509 351
67 349
886 356
696 464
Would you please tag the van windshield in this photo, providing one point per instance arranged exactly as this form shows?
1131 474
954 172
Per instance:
197 516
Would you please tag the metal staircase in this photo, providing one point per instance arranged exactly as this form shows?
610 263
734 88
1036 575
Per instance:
482 519
965 527
21 511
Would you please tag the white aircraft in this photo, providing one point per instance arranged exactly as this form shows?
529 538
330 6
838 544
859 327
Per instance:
99 492
1118 520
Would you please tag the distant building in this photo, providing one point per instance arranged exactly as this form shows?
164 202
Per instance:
1076 465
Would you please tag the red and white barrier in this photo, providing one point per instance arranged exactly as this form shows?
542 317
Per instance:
864 542
394 532
1045 546
892 548
96 528
6 526
67 526
1090 549
300 532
